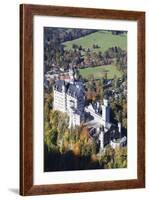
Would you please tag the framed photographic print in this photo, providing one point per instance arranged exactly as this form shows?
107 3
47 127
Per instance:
82 99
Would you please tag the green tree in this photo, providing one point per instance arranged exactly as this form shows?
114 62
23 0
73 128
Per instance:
120 159
94 147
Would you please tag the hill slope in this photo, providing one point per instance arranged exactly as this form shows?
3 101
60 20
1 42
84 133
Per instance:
99 71
103 38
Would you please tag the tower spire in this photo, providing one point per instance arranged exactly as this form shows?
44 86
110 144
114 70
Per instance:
71 73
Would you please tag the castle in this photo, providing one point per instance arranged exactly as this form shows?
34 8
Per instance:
69 97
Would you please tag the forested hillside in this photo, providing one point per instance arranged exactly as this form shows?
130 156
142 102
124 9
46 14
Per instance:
83 48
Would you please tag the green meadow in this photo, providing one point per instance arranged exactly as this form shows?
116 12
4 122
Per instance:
99 71
103 39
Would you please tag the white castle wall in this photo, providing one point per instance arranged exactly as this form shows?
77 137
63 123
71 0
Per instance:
59 102
64 103
105 111
74 120
102 120
70 99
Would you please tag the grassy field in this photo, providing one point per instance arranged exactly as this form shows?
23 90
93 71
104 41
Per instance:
103 38
99 71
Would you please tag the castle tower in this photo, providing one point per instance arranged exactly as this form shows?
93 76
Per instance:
101 138
71 114
71 74
120 129
63 98
59 95
105 111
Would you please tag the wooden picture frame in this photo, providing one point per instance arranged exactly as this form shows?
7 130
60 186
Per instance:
27 12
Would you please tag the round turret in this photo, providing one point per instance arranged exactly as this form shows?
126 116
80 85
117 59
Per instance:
105 111
105 102
71 74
